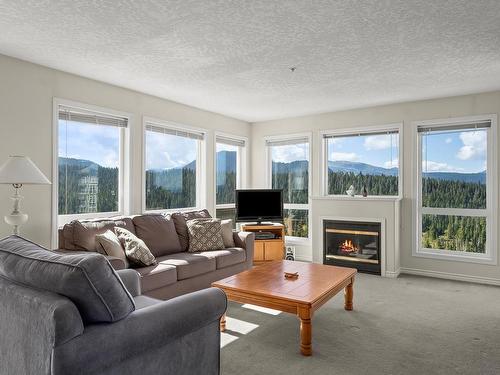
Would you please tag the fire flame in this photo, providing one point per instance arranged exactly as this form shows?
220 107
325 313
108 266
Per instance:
348 247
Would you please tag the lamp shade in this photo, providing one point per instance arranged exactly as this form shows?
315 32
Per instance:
21 170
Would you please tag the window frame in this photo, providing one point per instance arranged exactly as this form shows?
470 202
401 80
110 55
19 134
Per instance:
241 167
200 164
355 131
123 168
293 240
490 213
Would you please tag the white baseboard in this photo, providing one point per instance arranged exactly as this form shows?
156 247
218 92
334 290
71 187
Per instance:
451 276
391 274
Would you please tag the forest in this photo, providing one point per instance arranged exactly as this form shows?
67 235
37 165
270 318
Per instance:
86 187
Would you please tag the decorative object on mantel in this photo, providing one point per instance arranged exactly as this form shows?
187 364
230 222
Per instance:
351 191
291 275
19 171
365 192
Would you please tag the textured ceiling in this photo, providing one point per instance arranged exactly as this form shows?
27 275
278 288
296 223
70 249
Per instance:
232 57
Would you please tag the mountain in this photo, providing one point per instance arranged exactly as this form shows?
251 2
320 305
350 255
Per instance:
297 166
72 162
356 168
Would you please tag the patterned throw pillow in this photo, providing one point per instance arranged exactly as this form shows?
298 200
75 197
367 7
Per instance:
205 235
135 248
180 219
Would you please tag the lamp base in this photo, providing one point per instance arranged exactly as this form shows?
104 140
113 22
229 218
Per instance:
16 217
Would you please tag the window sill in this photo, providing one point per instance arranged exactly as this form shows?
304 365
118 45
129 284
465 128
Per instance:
455 256
357 198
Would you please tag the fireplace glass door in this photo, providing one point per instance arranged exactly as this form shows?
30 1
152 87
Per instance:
352 244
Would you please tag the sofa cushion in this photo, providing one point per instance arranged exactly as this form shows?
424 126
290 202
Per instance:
190 264
180 219
80 235
158 232
227 257
204 234
88 280
157 276
227 232
135 249
108 243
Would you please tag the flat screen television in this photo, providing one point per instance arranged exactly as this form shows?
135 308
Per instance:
259 205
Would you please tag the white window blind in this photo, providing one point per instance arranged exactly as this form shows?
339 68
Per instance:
354 134
471 126
230 141
93 118
177 132
287 142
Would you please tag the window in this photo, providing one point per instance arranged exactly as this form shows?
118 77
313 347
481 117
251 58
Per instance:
228 175
455 189
90 163
289 171
367 160
172 167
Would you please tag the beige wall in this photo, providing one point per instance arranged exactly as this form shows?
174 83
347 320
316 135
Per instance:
486 103
26 96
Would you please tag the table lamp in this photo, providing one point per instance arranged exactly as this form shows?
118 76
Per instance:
19 171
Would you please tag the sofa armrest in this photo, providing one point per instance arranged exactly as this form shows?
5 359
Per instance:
131 280
116 263
147 330
246 241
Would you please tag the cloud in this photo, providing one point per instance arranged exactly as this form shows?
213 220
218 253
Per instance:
377 142
391 163
448 140
168 151
474 145
433 166
343 156
289 153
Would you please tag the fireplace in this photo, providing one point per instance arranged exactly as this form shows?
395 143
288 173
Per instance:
352 244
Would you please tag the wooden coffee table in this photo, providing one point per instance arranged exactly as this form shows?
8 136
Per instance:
266 286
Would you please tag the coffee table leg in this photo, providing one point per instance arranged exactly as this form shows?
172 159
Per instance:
223 323
348 295
305 331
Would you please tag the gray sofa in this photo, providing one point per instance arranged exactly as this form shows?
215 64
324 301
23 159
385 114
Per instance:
74 314
178 271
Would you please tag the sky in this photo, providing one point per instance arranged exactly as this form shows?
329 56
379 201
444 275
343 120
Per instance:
379 150
455 151
463 152
100 144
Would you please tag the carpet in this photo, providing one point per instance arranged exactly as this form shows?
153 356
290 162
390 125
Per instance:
409 325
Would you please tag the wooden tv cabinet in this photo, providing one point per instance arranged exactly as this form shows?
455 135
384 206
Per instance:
267 249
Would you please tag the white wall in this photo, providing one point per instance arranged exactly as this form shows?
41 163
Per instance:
26 95
485 103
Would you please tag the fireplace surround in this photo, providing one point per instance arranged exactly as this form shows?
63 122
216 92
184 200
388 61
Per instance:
355 244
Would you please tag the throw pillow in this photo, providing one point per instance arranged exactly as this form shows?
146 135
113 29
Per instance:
135 248
158 232
180 219
109 244
227 233
205 235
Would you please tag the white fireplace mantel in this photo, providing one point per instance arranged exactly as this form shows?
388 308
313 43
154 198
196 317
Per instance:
384 211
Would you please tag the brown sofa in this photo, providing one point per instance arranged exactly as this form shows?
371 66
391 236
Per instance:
177 271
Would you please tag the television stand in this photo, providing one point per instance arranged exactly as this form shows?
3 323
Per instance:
269 248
